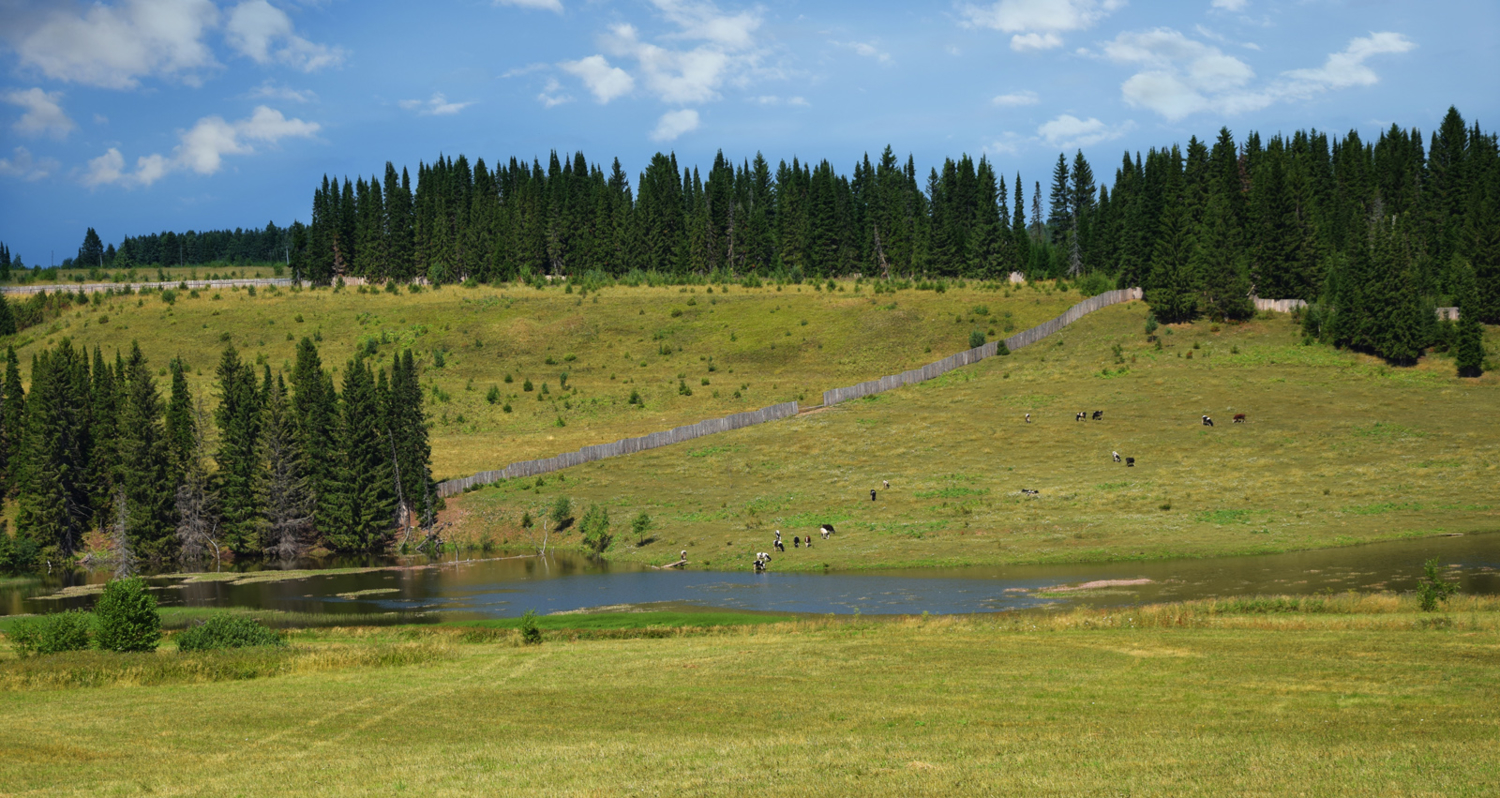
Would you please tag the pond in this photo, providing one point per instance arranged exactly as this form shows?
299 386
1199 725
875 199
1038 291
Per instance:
565 581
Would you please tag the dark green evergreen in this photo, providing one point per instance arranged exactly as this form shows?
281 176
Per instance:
238 420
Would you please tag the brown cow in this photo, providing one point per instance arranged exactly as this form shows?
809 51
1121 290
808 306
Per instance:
1239 418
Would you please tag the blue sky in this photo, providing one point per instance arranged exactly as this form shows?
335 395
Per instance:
134 116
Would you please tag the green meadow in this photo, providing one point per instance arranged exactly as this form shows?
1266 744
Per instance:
1338 449
1350 695
686 353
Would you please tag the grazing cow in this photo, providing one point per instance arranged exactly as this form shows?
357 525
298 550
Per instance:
778 545
1117 456
1082 414
1208 422
1098 415
1028 418
1028 492
796 542
826 529
1239 418
684 555
872 494
887 483
1129 462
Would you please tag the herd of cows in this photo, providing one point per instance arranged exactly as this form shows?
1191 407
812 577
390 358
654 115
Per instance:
763 559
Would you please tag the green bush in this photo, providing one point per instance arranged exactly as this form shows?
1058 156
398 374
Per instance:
1432 587
531 635
223 630
18 555
128 620
595 529
51 634
562 512
976 339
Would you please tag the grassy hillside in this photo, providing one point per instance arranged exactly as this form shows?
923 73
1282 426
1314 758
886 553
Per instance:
753 347
1162 700
1339 449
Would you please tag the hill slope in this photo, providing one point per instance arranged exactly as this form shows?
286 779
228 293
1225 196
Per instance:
1339 449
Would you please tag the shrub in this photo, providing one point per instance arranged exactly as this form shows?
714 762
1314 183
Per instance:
976 339
493 395
531 635
595 529
1432 587
128 620
18 555
223 630
640 526
51 634
562 512
527 386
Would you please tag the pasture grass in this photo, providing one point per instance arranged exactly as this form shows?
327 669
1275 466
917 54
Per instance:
1351 697
1339 449
755 347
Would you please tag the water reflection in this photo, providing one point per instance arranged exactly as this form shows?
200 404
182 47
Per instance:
564 581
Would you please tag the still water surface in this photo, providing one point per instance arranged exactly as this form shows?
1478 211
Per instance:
565 581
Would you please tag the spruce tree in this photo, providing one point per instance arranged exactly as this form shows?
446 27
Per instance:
52 489
12 422
1469 346
7 317
1171 289
315 413
196 500
181 433
361 495
281 484
144 470
406 428
238 420
1219 265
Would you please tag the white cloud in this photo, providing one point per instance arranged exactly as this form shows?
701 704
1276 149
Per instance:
605 81
1180 76
265 34
524 70
771 99
22 165
201 149
1069 132
1230 5
1037 23
1032 42
43 113
675 123
270 91
865 49
437 105
800 101
1016 98
1347 68
552 94
544 5
115 46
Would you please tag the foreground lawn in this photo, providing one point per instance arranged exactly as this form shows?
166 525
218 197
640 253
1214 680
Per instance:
1339 449
1224 705
735 351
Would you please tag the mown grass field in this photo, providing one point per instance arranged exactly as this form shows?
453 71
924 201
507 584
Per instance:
734 351
1338 449
1363 697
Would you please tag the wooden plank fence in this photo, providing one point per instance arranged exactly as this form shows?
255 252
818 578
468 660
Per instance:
970 356
589 454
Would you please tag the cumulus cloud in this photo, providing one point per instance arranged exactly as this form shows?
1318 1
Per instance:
865 49
265 34
1180 76
605 81
201 149
436 105
22 165
552 94
675 123
1069 132
544 5
1016 98
44 114
1036 24
115 46
1230 5
1347 68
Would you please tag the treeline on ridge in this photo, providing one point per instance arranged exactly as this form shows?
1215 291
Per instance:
295 464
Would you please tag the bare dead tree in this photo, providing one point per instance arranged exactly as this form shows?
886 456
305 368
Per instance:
125 564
